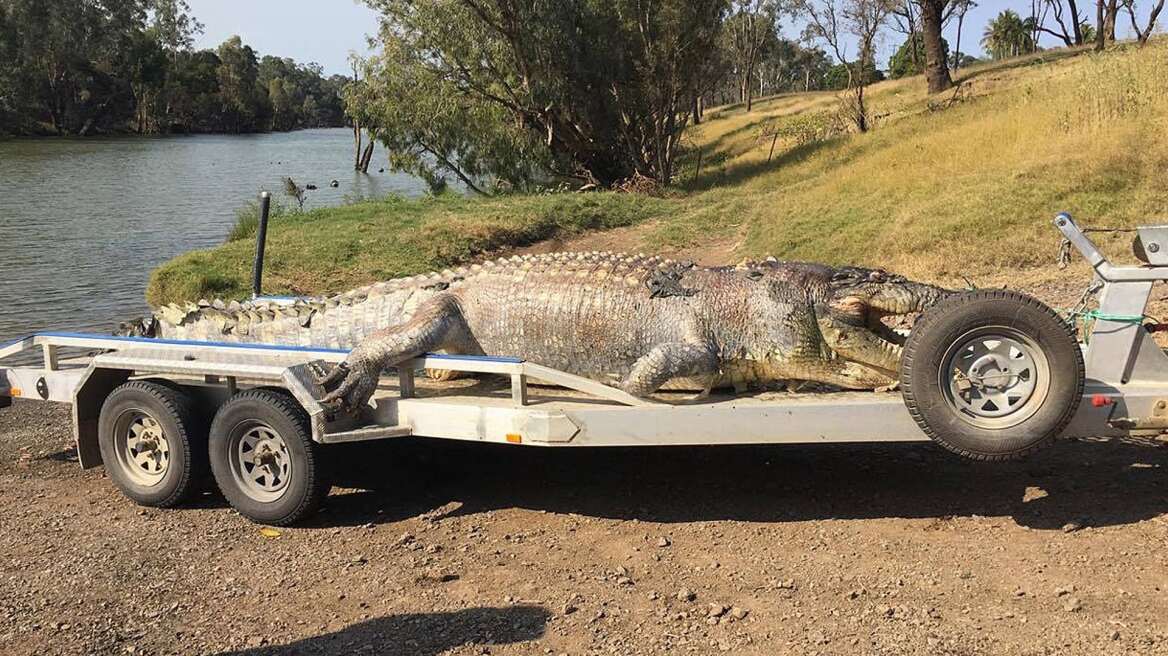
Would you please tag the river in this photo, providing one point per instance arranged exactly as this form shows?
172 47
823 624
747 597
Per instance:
84 221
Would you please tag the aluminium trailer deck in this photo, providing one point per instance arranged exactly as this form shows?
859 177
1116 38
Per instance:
580 413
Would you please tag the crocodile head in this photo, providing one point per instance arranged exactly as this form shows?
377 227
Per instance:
860 293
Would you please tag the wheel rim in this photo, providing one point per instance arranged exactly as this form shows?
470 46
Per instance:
143 447
995 377
260 462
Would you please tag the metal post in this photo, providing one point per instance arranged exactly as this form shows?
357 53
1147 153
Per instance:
261 238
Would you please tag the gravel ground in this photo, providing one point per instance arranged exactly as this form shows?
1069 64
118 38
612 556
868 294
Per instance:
468 549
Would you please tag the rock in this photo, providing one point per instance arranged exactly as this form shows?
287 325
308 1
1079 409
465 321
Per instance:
663 542
1064 590
685 594
568 609
334 184
739 613
1073 525
624 580
717 610
310 187
1115 634
1073 605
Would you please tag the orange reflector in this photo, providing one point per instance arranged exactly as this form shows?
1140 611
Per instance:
514 438
1099 400
14 392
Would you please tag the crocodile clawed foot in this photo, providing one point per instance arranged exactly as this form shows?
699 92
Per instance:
326 374
349 387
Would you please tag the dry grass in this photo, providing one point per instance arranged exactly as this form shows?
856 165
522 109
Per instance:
939 189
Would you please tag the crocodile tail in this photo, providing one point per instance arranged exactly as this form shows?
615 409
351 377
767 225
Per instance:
338 321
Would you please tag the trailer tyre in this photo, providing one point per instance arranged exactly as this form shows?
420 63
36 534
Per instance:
264 460
152 443
992 374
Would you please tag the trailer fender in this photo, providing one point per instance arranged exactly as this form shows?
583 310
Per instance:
88 398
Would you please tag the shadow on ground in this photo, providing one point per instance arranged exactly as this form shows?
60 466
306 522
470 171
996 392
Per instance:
421 634
1090 483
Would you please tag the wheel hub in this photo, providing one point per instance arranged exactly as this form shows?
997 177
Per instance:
262 463
995 377
144 452
992 372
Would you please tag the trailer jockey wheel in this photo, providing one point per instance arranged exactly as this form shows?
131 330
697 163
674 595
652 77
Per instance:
992 374
264 460
152 443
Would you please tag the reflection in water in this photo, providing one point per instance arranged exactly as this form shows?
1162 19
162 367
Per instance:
84 221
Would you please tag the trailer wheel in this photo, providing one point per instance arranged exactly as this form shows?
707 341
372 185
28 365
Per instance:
152 443
264 460
992 374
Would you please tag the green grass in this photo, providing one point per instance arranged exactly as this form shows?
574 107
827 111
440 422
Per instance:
937 190
334 249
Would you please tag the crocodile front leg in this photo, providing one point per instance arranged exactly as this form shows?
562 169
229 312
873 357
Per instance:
668 361
437 324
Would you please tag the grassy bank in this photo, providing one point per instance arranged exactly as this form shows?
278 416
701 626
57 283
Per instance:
338 248
960 183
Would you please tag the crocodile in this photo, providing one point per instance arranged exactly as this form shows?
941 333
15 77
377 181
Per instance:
639 322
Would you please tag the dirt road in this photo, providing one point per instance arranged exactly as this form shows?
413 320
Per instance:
476 550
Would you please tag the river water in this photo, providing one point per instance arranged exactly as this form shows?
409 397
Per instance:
84 221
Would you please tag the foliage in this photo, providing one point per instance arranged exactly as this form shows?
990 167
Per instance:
1008 35
83 66
751 29
836 78
595 90
903 62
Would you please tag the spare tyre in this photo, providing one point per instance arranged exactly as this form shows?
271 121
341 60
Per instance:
992 374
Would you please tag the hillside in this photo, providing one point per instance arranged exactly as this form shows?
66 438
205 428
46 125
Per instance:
963 183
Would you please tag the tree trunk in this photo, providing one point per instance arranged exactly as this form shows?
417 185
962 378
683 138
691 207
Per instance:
696 111
1109 22
1100 35
957 51
936 68
1078 30
363 164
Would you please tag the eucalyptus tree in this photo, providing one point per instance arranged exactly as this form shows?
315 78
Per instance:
512 90
751 27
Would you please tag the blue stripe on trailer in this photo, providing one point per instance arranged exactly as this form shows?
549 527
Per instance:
258 347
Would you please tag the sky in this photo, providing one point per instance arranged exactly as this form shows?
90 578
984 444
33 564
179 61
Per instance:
321 31
326 31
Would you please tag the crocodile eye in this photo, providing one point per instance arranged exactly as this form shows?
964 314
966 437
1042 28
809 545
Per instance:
843 278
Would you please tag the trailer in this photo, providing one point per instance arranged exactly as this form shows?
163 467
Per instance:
989 374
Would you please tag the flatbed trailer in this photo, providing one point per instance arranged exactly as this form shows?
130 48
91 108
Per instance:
143 407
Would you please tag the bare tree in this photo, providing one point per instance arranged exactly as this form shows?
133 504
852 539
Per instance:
833 21
1106 12
1072 35
1143 34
